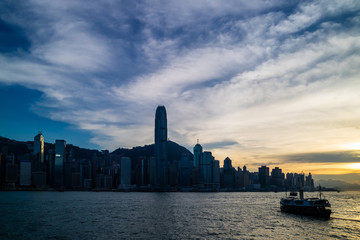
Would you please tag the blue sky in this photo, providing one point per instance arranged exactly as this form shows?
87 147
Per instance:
258 81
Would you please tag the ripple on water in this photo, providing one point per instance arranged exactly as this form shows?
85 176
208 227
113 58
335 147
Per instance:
87 215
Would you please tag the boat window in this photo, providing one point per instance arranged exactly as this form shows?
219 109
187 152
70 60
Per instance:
320 202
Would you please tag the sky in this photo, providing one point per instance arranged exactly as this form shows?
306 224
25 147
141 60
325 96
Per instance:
263 82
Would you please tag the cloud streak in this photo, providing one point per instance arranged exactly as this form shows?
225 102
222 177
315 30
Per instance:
326 157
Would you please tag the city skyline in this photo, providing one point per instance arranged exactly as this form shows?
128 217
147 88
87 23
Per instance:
165 169
272 83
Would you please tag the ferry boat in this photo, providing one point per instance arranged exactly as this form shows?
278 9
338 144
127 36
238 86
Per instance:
315 207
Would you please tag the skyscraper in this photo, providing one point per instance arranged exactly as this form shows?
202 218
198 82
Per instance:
263 176
25 172
60 151
197 154
229 172
206 167
277 177
125 172
39 148
161 161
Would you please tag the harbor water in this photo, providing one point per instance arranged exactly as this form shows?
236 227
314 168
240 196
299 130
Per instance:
175 215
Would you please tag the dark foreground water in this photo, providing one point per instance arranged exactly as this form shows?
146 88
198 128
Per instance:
115 215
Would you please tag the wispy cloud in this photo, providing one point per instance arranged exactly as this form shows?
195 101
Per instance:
327 157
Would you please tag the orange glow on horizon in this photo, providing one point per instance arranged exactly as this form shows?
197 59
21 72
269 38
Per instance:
313 168
355 166
352 146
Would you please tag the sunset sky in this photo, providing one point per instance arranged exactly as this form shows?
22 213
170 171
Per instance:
262 82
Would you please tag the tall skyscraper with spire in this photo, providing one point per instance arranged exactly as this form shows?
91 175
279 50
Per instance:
198 150
161 161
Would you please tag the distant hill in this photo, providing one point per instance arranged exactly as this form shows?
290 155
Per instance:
19 148
337 184
15 147
175 151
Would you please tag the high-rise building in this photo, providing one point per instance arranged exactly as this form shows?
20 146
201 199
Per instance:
309 182
244 178
50 158
197 154
229 178
25 172
60 151
216 174
185 170
11 171
2 170
227 163
277 177
125 172
264 176
39 148
206 167
161 161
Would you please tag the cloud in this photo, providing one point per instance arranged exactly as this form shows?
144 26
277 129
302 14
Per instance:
325 157
221 144
255 78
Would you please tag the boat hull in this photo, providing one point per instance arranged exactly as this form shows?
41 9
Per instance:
307 210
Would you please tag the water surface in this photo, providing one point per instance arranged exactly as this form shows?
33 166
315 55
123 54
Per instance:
115 215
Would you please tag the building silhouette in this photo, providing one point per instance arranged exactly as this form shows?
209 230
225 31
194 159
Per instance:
277 177
185 171
125 172
39 148
264 176
197 154
243 178
228 174
161 161
60 151
11 171
25 172
206 168
216 174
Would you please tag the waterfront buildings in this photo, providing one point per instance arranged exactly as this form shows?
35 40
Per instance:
163 166
206 170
